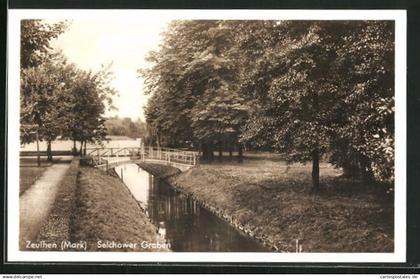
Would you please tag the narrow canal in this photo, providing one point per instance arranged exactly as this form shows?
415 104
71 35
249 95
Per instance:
186 225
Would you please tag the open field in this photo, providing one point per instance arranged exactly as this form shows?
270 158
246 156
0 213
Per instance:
274 201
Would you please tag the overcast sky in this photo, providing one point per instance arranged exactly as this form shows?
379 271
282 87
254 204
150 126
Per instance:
89 44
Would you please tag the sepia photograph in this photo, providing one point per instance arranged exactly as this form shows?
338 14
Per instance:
163 134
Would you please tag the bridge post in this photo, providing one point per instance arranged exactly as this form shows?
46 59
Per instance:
193 156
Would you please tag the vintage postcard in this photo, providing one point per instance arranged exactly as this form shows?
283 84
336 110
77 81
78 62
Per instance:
206 136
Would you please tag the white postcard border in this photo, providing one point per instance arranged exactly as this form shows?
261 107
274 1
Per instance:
13 253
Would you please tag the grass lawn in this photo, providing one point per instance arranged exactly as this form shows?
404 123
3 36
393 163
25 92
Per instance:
274 201
105 210
28 176
30 172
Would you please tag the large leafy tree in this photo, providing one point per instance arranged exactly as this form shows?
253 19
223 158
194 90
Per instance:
308 89
193 83
365 68
295 112
36 36
86 101
57 98
176 80
42 92
39 80
311 102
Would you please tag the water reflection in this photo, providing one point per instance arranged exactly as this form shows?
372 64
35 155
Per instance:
180 219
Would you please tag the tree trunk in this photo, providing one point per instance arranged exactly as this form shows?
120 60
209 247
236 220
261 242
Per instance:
315 169
230 152
366 169
49 153
240 153
81 148
204 154
74 148
220 150
211 153
84 151
350 163
315 152
157 140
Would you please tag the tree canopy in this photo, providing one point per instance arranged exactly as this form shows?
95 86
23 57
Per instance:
312 90
126 127
57 98
35 40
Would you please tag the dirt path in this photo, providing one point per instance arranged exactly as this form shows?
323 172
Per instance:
36 202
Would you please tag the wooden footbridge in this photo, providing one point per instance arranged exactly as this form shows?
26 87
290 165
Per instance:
108 158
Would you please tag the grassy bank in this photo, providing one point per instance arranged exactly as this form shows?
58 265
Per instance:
161 171
273 202
106 211
57 227
91 206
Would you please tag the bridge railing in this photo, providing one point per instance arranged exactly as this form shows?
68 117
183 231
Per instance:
100 155
170 155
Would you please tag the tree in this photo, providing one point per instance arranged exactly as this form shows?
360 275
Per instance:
365 65
126 127
174 83
192 77
295 112
35 41
307 87
57 97
41 86
86 103
218 117
41 93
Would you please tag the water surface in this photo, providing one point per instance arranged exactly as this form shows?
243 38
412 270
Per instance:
185 224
